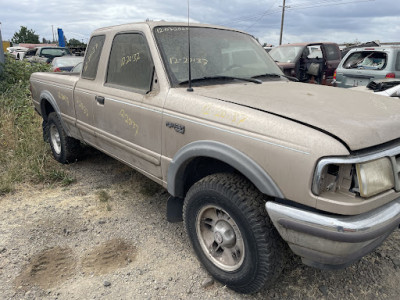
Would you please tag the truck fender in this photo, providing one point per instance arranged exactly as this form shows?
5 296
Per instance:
222 152
46 95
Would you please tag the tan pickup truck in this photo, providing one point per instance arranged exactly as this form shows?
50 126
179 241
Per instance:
253 161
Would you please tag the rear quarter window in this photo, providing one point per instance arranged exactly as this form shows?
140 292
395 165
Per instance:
92 57
398 61
368 60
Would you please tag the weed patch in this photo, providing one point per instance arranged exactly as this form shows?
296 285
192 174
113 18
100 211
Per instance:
103 196
24 156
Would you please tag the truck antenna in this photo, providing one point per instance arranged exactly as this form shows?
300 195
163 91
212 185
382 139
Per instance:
189 89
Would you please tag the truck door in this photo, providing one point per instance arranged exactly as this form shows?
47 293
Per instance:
85 90
127 112
332 56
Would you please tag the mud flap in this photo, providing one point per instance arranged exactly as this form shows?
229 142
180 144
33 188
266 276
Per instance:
174 209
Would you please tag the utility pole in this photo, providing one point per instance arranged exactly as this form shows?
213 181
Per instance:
283 16
52 30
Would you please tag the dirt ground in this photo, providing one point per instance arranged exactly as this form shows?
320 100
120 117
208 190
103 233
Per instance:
106 237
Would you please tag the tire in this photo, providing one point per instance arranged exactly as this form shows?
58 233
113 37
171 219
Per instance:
65 149
45 131
229 229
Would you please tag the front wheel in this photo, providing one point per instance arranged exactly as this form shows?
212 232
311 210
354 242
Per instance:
230 231
65 149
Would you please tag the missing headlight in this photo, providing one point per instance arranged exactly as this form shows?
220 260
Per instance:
336 178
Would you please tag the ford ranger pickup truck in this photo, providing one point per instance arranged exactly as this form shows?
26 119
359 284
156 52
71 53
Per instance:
253 162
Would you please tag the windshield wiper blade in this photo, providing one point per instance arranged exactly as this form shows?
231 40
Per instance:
277 75
222 77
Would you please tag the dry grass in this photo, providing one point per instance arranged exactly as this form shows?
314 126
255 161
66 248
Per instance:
24 156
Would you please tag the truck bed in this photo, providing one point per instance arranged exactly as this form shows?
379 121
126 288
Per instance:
58 85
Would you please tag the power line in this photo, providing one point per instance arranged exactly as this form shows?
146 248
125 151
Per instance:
315 4
303 5
264 14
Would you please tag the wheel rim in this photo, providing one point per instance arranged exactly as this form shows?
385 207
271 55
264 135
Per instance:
220 238
55 139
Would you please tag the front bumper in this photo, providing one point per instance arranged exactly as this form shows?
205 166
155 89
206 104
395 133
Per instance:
333 242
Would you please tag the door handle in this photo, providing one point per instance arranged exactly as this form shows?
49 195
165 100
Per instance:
100 99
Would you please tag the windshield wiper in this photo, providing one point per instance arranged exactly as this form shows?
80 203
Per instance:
277 75
223 78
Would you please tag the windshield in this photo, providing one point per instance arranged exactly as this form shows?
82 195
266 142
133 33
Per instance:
214 52
54 52
286 54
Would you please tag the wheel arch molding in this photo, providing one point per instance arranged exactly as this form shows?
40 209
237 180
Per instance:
47 100
47 97
220 152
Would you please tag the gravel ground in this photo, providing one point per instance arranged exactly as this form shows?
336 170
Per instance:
106 237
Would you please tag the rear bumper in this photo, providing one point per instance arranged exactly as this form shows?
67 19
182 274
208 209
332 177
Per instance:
333 242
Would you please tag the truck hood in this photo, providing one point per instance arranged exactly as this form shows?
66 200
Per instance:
358 119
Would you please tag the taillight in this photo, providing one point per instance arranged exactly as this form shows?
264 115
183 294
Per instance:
390 75
57 70
334 75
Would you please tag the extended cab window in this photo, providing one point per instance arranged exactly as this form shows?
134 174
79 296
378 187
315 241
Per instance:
130 65
92 57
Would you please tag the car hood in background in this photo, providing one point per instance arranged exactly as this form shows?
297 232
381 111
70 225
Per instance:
360 120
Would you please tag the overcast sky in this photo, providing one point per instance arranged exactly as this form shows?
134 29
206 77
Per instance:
305 20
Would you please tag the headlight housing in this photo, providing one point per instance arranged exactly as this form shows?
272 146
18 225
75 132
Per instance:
375 177
366 175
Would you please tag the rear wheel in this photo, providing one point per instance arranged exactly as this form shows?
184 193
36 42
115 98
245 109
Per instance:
230 231
65 149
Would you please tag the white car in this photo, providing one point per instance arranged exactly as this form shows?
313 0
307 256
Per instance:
18 52
386 87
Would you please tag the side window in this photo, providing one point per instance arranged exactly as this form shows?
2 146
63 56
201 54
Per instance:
332 52
398 61
92 57
130 63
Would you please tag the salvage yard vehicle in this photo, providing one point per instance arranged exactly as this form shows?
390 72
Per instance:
252 161
46 54
65 63
360 66
389 87
313 62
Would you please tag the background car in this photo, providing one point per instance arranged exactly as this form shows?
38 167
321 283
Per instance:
46 54
65 63
389 87
362 65
77 68
308 62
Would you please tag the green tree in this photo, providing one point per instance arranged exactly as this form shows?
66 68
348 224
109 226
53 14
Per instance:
25 35
74 42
